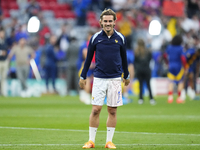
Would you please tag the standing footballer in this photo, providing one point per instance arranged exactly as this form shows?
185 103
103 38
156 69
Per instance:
110 56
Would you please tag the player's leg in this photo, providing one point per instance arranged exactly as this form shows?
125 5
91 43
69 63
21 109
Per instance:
111 123
93 126
180 80
148 79
140 79
98 96
172 73
170 91
47 77
180 88
191 91
114 99
53 77
94 122
85 93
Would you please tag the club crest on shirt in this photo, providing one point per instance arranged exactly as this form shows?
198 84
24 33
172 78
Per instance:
116 41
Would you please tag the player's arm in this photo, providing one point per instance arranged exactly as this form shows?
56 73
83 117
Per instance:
126 79
32 53
88 60
184 63
85 52
165 58
11 54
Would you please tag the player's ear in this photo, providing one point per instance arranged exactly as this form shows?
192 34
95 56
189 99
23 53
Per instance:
100 23
114 23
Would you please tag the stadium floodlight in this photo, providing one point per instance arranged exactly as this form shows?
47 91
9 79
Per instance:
154 27
33 24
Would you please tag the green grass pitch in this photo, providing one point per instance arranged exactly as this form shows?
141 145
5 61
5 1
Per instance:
53 122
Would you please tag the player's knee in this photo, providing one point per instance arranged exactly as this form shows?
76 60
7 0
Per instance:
112 111
95 111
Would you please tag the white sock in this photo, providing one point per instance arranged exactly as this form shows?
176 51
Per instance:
110 133
92 133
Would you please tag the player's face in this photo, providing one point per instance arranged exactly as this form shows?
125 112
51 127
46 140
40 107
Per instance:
108 23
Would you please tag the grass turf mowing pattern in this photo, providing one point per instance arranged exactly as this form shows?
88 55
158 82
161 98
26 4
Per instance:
54 122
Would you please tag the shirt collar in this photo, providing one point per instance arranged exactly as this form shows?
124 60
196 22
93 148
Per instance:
104 33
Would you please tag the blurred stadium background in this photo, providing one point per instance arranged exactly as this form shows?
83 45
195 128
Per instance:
74 18
61 121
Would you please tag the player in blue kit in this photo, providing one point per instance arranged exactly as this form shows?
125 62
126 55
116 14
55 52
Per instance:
176 71
110 57
193 59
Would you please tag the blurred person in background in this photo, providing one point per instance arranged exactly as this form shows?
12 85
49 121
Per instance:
33 8
176 68
118 4
84 94
126 89
72 72
192 7
63 39
43 33
23 53
21 32
1 16
142 68
106 4
11 40
81 7
3 62
50 64
124 26
192 55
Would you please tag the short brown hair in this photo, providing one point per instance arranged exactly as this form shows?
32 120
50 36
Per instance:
108 12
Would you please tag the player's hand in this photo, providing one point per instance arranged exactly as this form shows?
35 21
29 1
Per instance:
126 81
82 83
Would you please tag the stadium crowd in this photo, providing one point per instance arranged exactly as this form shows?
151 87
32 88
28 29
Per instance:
68 23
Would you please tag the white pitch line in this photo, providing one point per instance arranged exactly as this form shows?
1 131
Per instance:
100 144
73 130
171 117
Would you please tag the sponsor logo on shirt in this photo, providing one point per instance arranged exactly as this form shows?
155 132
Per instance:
100 40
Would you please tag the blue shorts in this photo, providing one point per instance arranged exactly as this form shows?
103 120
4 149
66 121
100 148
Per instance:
176 73
89 73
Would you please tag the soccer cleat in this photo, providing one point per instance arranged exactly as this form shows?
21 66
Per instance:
152 102
88 144
196 98
140 101
110 145
179 100
170 99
